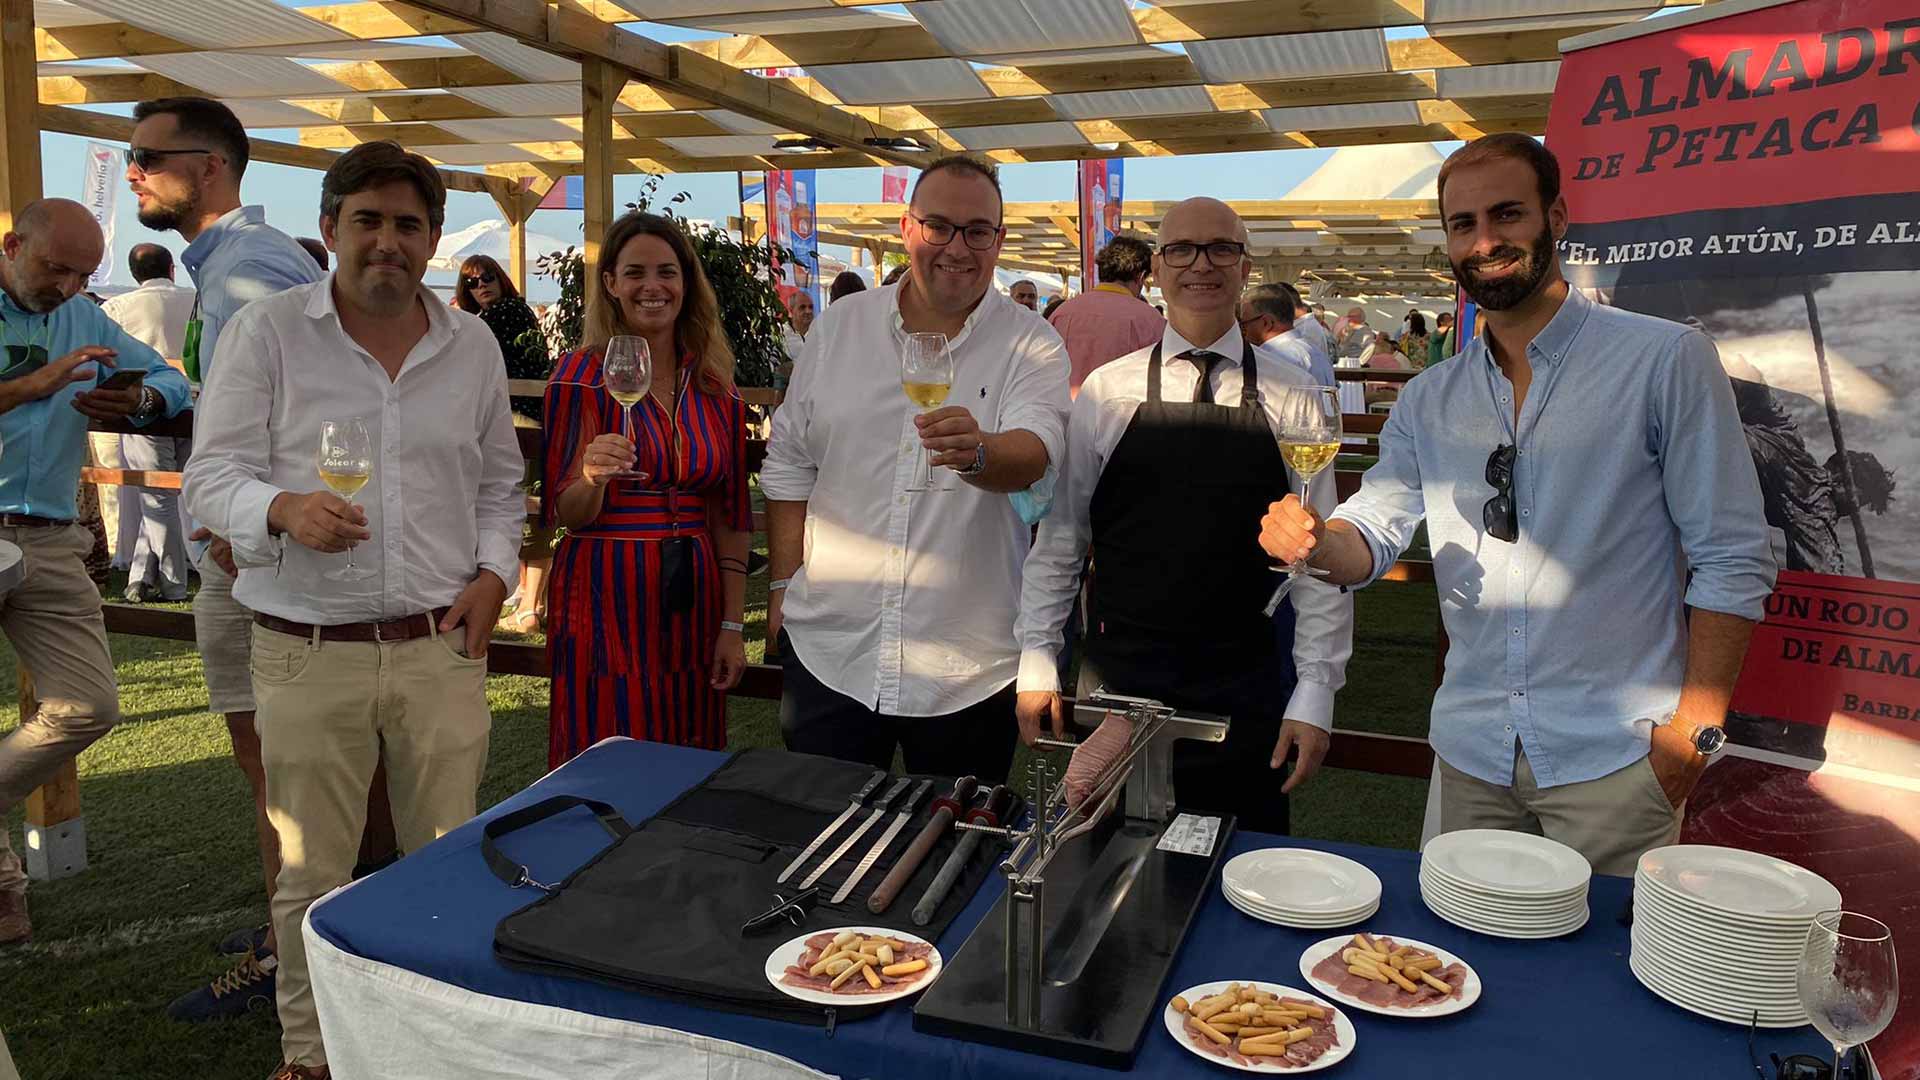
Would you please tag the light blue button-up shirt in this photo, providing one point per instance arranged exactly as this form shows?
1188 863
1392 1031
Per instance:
1632 471
237 260
43 443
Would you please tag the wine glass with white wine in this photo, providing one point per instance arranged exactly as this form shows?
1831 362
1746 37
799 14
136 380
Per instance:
345 462
926 374
1308 431
627 372
1847 979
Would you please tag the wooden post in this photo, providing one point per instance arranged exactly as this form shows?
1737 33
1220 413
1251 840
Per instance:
600 86
516 206
19 111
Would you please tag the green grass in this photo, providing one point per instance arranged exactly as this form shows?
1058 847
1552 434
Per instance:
173 864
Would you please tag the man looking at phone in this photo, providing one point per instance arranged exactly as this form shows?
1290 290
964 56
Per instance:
66 363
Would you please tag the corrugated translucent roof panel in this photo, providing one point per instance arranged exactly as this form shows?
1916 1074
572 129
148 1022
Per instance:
274 114
48 69
534 65
219 24
519 129
549 99
1329 117
476 154
1497 80
985 27
57 13
1511 16
234 75
664 10
812 21
1290 56
358 50
1016 136
904 81
721 145
1163 101
741 125
1081 56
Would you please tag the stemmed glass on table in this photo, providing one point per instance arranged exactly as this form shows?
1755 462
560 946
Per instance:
1847 979
627 372
1309 435
926 374
345 463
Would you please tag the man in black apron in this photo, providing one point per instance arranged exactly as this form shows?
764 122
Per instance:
1167 450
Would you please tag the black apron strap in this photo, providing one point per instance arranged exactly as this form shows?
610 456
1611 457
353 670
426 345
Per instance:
1249 376
1153 375
516 874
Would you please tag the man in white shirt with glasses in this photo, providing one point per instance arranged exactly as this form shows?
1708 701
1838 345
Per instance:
898 603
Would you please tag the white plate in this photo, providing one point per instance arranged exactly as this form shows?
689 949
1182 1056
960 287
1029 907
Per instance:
1300 880
1320 950
1497 917
1690 911
1733 967
778 959
1433 873
1740 882
1728 1015
1510 863
1251 904
1543 913
1708 930
1303 924
1342 1028
1536 933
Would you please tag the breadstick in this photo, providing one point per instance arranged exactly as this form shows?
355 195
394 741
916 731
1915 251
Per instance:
1366 943
1279 1016
1425 963
1210 1008
821 966
1399 979
1259 1032
1212 1032
885 953
1398 950
905 967
1179 1004
873 980
1314 1011
1367 972
843 937
1435 983
850 972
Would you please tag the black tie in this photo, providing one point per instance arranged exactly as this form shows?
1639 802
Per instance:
1204 360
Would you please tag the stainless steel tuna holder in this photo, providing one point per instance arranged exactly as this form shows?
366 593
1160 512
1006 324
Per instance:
1144 773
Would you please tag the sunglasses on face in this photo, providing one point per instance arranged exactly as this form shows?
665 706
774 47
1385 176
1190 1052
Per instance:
1498 515
474 281
147 159
1219 253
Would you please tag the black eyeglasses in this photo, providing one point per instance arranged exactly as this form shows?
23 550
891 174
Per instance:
940 233
1498 515
475 281
146 158
1219 253
1793 1067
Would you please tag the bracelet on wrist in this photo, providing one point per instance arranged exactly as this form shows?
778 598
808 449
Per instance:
738 628
776 586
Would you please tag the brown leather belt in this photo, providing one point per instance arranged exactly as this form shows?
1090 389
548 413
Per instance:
32 521
386 632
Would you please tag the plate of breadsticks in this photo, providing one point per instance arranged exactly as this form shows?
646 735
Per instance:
865 965
1392 976
1259 1027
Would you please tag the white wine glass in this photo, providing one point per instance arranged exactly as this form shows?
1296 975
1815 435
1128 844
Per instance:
627 372
1308 431
926 374
345 463
1847 979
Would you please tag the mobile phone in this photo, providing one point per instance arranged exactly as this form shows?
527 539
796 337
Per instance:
126 379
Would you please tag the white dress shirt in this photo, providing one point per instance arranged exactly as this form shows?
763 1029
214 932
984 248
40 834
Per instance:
906 599
156 314
1323 624
443 502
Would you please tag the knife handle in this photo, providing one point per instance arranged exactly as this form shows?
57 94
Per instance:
999 801
963 792
916 853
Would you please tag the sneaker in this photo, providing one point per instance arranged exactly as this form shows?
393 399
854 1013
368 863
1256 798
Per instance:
137 593
246 987
290 1071
244 941
15 927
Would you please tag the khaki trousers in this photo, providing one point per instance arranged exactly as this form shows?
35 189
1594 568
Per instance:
223 629
329 712
52 620
1612 820
6 1061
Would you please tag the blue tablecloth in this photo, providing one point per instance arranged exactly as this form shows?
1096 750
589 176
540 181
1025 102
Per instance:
1564 1009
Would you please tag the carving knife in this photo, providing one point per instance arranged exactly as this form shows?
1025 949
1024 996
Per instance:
879 847
999 802
946 809
879 811
859 800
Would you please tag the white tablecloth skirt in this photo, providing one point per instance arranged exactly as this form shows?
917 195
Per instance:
381 1021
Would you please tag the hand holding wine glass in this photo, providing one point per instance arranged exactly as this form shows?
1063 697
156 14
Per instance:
627 371
345 464
926 376
1309 437
1847 980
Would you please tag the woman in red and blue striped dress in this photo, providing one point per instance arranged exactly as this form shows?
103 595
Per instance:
649 585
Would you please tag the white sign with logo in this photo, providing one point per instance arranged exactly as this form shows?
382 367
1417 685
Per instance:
106 165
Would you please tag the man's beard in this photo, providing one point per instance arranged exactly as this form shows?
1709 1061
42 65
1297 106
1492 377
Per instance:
167 218
1510 291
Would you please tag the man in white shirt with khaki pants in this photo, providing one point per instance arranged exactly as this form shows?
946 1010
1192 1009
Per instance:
390 668
898 603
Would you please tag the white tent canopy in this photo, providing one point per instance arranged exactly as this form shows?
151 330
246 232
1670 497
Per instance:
489 238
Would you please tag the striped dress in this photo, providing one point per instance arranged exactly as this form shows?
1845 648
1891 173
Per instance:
623 663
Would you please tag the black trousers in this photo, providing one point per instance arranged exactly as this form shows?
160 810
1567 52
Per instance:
817 719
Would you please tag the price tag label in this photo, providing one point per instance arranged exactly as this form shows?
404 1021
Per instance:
1190 834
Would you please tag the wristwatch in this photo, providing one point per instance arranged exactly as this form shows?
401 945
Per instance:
1708 740
150 404
979 461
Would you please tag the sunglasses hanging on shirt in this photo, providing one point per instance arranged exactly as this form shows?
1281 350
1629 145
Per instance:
1498 515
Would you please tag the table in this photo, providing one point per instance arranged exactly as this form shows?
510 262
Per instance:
407 985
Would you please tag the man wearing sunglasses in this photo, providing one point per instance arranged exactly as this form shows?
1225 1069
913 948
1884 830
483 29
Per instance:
898 626
1596 526
1170 452
185 159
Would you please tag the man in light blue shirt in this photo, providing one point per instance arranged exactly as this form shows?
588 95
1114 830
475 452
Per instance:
1267 319
1597 530
60 353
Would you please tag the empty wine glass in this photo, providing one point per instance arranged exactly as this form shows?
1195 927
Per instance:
926 375
1847 979
627 372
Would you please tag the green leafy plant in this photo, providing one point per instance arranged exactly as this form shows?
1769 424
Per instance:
742 275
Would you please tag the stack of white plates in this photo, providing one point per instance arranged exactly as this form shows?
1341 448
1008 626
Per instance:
1302 888
1718 931
1507 884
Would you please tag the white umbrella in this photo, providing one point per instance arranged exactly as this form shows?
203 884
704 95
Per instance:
489 238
